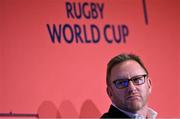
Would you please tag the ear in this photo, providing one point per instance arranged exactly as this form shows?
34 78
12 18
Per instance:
109 91
149 85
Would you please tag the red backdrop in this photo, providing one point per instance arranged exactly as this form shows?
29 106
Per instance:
68 80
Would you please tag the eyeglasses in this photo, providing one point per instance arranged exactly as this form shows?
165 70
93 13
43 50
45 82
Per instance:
123 83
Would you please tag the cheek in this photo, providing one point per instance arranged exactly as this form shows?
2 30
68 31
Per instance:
145 92
119 95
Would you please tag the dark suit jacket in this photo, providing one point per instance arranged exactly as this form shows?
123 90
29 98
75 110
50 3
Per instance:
114 113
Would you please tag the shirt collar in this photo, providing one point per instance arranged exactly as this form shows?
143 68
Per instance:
152 114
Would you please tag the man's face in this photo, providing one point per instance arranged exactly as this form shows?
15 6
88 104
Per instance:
131 98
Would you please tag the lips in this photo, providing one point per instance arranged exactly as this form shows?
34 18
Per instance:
132 97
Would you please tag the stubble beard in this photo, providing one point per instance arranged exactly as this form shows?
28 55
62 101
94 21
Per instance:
135 105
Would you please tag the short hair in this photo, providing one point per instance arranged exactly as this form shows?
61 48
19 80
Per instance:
119 59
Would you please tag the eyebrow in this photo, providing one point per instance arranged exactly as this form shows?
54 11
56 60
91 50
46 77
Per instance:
124 78
121 79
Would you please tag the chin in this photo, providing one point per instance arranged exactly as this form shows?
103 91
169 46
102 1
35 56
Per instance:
134 106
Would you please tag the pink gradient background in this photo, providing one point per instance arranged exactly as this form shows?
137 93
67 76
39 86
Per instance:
68 80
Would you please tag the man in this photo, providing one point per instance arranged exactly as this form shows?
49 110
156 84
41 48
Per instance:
128 87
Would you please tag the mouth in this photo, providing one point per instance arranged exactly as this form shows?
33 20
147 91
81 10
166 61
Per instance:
133 97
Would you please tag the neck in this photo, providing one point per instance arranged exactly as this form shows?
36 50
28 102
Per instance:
143 111
146 112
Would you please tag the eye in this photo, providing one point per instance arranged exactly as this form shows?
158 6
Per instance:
138 80
120 83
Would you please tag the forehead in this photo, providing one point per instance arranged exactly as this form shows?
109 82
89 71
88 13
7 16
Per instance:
126 69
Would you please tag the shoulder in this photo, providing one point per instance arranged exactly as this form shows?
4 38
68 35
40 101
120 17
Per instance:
105 115
114 113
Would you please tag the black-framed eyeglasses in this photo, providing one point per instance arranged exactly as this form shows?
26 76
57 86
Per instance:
123 83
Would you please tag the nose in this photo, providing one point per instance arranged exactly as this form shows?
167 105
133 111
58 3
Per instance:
131 86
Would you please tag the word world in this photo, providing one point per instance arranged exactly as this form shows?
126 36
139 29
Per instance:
87 33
